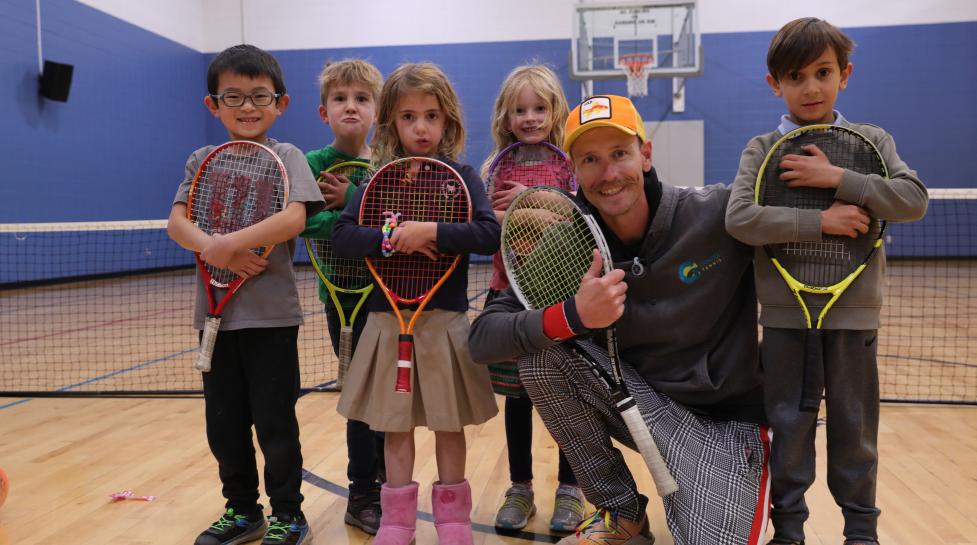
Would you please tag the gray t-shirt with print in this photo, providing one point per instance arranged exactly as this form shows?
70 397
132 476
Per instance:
271 298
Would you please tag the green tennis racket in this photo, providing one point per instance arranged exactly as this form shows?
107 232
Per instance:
346 279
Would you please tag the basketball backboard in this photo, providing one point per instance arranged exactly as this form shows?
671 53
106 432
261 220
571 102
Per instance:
607 37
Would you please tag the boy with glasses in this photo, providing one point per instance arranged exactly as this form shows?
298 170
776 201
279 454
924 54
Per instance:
254 380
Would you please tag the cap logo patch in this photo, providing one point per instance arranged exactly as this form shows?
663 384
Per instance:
595 108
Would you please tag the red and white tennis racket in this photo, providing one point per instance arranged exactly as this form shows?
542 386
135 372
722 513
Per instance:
413 189
239 184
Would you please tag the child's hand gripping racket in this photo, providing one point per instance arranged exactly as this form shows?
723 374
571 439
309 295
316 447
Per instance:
548 245
343 277
238 185
414 189
828 266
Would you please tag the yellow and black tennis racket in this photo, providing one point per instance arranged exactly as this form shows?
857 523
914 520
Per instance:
346 279
548 244
823 269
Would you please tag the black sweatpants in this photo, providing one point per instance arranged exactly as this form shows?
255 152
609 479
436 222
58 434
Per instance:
519 437
254 381
851 384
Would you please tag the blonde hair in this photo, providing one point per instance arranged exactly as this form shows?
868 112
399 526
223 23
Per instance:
349 72
544 82
417 78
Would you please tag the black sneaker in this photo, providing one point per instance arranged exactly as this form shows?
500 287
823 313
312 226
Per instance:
232 529
286 529
363 511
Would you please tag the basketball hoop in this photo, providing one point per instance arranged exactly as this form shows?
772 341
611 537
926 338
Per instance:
636 67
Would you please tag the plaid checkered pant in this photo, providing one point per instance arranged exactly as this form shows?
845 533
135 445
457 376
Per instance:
720 466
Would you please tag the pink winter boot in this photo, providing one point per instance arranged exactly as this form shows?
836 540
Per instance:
452 505
398 507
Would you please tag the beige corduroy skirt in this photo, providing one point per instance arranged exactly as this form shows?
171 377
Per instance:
449 390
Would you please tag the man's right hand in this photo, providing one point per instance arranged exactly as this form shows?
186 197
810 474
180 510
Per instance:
844 219
600 298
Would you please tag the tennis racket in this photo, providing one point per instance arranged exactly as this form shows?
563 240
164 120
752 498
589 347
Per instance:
548 245
531 165
829 266
239 184
413 189
343 277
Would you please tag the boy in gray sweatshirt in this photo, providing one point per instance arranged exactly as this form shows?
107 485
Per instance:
808 66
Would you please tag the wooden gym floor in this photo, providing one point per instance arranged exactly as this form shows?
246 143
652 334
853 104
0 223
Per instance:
65 457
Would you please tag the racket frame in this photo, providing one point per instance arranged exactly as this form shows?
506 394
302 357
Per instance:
405 344
208 337
812 342
664 481
345 354
511 150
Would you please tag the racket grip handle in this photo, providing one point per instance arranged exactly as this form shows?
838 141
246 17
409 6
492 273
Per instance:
664 482
405 352
345 354
207 340
812 381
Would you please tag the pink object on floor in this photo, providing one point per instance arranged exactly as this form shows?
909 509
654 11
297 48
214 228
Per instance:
129 495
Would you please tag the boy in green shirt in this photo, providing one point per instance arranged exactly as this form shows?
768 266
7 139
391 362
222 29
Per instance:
349 90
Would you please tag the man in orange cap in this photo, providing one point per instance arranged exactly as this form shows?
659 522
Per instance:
681 297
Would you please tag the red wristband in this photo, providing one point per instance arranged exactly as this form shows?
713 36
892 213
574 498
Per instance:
555 324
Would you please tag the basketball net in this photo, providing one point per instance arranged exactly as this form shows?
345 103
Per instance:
636 67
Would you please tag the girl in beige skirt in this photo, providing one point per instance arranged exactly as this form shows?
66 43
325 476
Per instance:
420 115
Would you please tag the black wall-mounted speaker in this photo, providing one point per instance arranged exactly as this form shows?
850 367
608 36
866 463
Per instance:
56 80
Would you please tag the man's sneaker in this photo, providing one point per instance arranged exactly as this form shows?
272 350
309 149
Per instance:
517 507
233 528
287 530
363 511
603 528
567 508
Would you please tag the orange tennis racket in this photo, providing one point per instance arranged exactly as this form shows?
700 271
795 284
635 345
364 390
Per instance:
413 189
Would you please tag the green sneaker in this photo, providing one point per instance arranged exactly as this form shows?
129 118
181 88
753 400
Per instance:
231 529
567 508
287 530
517 508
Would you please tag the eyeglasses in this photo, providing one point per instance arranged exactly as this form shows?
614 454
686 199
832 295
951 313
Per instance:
235 99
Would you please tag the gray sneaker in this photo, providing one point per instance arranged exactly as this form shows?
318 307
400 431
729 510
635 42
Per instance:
567 509
517 507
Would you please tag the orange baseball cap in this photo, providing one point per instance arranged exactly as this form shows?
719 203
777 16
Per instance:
603 111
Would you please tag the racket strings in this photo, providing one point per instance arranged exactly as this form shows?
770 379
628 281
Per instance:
344 273
239 186
355 172
415 190
548 247
819 263
532 166
828 261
